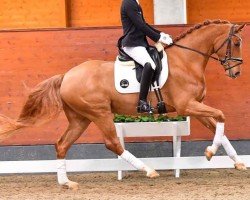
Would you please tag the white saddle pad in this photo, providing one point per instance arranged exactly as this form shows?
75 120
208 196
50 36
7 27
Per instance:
125 77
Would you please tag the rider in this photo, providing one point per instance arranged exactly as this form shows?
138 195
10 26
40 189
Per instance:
134 44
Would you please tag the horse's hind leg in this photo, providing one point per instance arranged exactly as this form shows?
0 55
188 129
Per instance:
210 123
106 125
77 125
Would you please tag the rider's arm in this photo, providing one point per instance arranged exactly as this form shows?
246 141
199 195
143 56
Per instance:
136 17
165 38
151 27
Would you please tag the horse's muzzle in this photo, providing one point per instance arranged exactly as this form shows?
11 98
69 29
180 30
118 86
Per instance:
232 74
237 74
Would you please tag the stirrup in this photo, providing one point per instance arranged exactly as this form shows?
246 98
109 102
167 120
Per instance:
144 107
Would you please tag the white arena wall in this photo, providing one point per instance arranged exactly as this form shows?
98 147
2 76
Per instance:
170 12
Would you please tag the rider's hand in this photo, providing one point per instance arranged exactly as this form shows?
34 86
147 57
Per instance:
165 39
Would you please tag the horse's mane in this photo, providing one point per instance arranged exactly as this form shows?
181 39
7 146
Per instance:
200 25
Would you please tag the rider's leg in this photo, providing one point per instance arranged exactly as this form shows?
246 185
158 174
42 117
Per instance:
146 79
141 56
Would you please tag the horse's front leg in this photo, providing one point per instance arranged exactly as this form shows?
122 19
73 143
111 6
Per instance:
105 123
216 124
210 123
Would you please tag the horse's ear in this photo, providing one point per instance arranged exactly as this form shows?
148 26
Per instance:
240 27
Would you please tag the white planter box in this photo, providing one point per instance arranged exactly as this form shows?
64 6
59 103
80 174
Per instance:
149 129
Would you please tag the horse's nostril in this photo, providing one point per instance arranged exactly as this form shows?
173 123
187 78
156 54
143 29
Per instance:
237 74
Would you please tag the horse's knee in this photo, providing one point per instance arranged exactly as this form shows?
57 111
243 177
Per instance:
114 146
220 116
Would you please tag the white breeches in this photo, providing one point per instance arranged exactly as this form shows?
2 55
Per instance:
140 55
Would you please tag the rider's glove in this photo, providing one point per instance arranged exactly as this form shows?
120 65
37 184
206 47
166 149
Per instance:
165 39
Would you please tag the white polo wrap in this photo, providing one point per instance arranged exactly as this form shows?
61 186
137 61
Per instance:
61 172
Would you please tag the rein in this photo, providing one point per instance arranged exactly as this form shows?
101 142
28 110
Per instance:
194 50
228 55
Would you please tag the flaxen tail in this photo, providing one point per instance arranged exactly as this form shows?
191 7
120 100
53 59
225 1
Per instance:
43 104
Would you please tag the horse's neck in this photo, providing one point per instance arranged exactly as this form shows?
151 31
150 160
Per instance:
202 40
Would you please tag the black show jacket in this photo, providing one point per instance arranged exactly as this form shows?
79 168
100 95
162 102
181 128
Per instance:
135 29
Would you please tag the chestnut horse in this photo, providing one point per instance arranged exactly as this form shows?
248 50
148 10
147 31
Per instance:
87 94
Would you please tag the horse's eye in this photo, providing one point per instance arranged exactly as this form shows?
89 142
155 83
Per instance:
237 43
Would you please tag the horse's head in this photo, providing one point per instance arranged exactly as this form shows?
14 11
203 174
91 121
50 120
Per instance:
228 47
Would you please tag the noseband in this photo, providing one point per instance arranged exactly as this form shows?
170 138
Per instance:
228 56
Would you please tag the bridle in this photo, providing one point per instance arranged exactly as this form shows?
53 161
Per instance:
228 56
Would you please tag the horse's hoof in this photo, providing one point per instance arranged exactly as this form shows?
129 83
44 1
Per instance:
240 166
209 154
153 174
71 185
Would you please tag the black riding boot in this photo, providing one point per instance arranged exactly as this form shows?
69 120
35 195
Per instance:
146 79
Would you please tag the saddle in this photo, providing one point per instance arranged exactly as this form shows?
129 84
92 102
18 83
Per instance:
157 58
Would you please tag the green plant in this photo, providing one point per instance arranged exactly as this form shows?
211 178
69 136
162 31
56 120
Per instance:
149 118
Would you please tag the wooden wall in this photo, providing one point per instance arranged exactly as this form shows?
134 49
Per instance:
32 14
232 10
16 14
28 57
102 12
